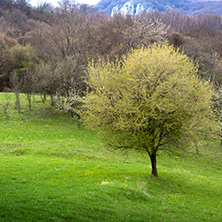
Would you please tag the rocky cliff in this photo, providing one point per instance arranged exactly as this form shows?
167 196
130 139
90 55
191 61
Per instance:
134 7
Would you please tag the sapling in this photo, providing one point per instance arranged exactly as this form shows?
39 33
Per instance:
6 103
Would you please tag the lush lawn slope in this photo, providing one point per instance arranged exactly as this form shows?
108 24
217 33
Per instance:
51 171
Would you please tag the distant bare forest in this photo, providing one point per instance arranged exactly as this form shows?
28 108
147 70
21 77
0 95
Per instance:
47 49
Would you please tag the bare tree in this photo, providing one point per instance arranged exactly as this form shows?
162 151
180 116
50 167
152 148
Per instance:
28 87
6 103
16 82
67 36
59 77
144 31
46 79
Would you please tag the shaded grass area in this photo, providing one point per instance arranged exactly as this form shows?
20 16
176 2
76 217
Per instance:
51 171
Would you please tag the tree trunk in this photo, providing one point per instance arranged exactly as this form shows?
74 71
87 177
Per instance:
30 104
52 100
29 98
78 121
5 106
197 150
17 102
153 163
42 98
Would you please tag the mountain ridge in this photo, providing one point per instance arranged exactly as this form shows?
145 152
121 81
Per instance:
135 7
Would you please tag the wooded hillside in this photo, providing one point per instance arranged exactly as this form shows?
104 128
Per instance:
48 49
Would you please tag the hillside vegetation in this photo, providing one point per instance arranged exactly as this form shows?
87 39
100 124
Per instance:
47 49
53 171
53 168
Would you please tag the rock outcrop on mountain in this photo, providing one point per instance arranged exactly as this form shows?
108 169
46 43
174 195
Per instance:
135 7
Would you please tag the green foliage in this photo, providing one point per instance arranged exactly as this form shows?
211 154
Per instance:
23 57
150 99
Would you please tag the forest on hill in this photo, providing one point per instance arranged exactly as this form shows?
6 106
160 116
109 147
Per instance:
46 50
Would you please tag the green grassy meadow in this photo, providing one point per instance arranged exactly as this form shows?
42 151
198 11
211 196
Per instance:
52 171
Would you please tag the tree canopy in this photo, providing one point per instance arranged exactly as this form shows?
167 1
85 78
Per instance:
149 99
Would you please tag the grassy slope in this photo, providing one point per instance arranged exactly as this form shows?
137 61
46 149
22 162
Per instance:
51 171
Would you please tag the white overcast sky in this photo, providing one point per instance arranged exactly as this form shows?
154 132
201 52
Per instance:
55 2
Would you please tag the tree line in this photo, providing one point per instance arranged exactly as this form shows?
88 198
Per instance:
50 48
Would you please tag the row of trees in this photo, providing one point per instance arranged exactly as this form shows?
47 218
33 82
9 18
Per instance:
51 38
52 56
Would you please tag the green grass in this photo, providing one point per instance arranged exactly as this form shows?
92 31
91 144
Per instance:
51 171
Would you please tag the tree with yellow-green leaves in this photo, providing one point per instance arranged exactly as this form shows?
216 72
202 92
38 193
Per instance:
152 99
